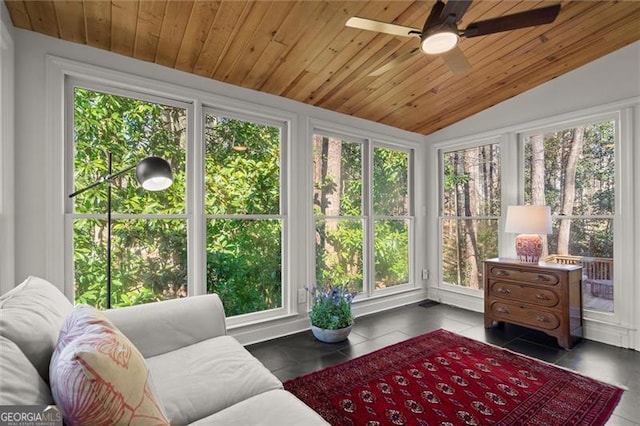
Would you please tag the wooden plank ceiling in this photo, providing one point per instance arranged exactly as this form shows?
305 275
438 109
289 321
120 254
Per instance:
303 51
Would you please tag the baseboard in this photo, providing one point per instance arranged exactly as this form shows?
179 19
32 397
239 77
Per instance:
286 326
458 299
611 334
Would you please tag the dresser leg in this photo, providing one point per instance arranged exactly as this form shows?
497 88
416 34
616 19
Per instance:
488 323
565 341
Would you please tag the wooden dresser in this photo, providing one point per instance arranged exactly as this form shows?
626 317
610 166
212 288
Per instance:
544 296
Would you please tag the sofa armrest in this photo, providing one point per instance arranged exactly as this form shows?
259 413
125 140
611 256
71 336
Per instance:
161 327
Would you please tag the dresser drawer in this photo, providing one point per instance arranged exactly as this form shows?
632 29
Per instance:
540 296
535 277
527 316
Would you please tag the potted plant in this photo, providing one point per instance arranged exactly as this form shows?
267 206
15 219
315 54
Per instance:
331 317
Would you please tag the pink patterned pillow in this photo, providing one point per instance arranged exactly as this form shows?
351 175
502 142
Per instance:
98 377
83 319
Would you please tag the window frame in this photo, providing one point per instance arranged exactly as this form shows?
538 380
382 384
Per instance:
70 74
620 186
441 151
369 143
409 217
69 214
283 215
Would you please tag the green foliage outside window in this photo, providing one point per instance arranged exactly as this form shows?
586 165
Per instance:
339 209
242 207
470 207
244 255
149 261
149 256
592 186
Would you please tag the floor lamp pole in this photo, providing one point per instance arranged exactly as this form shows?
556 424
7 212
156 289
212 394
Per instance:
109 185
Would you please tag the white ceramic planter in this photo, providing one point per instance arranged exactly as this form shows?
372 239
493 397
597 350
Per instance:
331 336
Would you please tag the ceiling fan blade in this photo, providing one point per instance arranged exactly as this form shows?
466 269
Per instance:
434 16
456 61
393 63
530 18
382 27
455 7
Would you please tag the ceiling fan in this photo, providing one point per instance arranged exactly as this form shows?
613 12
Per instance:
440 34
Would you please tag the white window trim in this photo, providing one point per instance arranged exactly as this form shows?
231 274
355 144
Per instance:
369 142
70 84
621 291
57 235
444 287
288 304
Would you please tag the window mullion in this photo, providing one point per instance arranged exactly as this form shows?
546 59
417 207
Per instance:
197 226
368 235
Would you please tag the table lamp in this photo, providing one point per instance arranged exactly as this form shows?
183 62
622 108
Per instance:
529 222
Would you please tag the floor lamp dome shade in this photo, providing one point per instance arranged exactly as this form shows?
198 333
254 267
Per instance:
529 222
154 174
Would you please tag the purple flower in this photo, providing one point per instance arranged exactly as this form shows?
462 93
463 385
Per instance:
331 293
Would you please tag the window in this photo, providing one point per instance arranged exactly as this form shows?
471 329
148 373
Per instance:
243 207
470 209
149 232
224 225
360 235
338 209
392 222
572 170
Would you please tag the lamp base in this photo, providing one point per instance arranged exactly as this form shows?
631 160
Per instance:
528 248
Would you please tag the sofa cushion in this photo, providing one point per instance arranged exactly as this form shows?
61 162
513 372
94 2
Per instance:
198 380
31 315
99 377
276 407
20 382
182 322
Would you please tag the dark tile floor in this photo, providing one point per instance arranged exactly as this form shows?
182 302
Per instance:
299 354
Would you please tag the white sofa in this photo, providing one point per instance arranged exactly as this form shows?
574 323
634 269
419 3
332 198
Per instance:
201 375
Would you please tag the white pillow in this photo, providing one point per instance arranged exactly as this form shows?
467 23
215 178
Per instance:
20 383
99 377
31 315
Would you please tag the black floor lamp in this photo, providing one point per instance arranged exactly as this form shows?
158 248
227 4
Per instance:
153 173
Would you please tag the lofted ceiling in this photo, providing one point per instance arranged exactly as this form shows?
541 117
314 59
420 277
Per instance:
303 51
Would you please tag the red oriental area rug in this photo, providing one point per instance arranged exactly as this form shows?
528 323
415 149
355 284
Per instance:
441 378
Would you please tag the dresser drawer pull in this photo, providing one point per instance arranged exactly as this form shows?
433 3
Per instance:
503 290
543 278
502 273
503 310
543 297
541 318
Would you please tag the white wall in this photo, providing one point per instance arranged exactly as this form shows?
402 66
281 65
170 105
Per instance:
7 218
609 79
611 83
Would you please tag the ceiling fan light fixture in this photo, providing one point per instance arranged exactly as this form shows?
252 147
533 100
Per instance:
439 42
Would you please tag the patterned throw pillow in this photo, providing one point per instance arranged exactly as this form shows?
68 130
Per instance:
98 377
